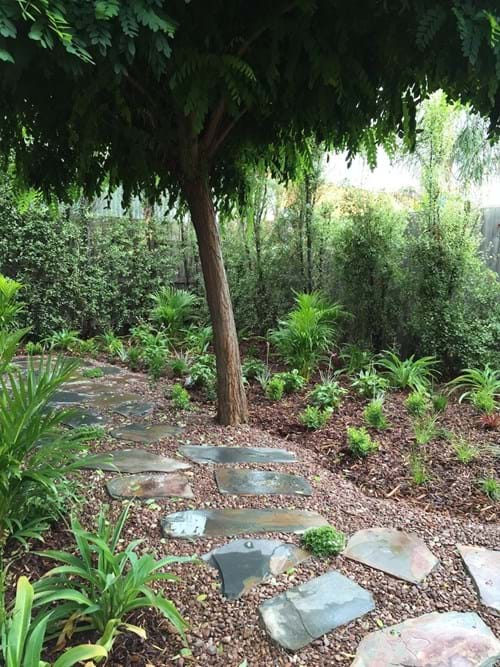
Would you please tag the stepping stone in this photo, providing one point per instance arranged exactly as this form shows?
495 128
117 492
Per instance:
109 370
403 555
64 397
242 564
223 523
107 398
84 418
145 432
212 454
260 482
138 460
452 639
306 612
151 485
483 566
134 408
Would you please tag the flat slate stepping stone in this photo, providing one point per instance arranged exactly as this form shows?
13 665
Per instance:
64 397
134 408
483 566
84 418
105 397
214 523
260 482
152 485
242 564
452 639
403 555
138 460
145 432
222 454
306 612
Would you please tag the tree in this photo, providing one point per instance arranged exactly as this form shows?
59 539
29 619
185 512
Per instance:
179 96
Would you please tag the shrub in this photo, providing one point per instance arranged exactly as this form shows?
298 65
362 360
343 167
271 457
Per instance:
370 384
307 332
410 373
483 400
133 359
439 402
360 442
482 387
89 433
198 339
417 403
202 372
356 359
324 541
275 389
252 368
154 351
180 397
87 347
109 581
314 418
95 372
374 414
33 348
111 344
425 429
65 340
464 450
328 394
173 308
418 469
292 381
491 487
179 364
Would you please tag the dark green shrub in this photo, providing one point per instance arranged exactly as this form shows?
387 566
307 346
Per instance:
275 389
417 403
374 414
252 368
180 397
93 372
369 383
292 381
324 541
327 394
314 418
360 442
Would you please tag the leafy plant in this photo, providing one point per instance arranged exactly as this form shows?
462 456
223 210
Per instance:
65 339
418 469
374 414
411 373
202 372
87 347
360 442
198 339
180 397
179 364
133 358
491 487
490 422
154 352
324 541
425 429
308 332
465 451
32 347
22 637
356 359
95 372
328 394
252 368
439 402
109 579
10 307
89 433
369 383
483 400
173 308
314 418
275 388
292 381
417 403
482 387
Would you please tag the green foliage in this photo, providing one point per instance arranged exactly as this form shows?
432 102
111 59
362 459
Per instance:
133 359
173 308
89 433
180 397
314 418
109 580
111 343
484 401
324 541
198 339
439 402
369 383
22 637
202 374
154 347
465 451
252 368
374 414
418 468
408 373
360 442
307 332
425 429
482 387
356 358
491 487
292 381
65 339
88 347
327 394
95 372
10 306
417 403
179 364
32 347
275 388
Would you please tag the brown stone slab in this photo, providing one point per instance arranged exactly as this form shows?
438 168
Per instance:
483 566
139 460
149 485
236 481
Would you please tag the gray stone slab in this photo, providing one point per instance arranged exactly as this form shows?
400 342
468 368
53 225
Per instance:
152 485
404 555
452 639
242 564
134 408
139 460
222 454
229 522
82 417
305 613
235 481
106 398
64 397
145 432
483 566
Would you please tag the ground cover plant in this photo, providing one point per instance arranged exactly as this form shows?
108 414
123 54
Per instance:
324 541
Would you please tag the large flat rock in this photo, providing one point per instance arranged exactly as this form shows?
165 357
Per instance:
222 454
152 485
134 408
235 481
212 523
107 398
483 566
403 555
145 432
82 417
304 613
139 460
242 564
452 639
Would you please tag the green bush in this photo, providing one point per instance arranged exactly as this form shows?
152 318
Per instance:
356 359
324 541
327 394
64 339
491 487
292 381
369 383
180 397
179 364
314 418
252 368
33 348
374 414
482 387
411 373
93 372
173 308
275 389
417 403
439 402
360 442
133 358
202 372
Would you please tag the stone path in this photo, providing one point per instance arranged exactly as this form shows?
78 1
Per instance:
303 613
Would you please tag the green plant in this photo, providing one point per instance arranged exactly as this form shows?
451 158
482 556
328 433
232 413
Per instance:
202 372
314 418
112 344
439 402
133 359
417 403
87 347
275 388
425 429
173 308
483 400
418 469
65 339
89 433
324 541
109 580
95 372
180 397
292 381
374 413
356 359
198 339
179 364
307 332
252 368
360 442
482 387
154 352
10 307
327 394
22 637
33 348
465 451
491 487
411 373
369 383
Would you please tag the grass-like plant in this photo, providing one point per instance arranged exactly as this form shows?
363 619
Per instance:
95 372
308 332
109 581
179 364
275 389
369 383
417 403
314 417
480 386
425 429
324 541
133 358
356 359
418 468
374 414
491 487
34 347
64 340
180 397
360 442
465 451
439 402
411 373
173 308
327 394
198 339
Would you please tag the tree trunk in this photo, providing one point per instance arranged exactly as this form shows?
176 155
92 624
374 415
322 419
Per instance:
231 398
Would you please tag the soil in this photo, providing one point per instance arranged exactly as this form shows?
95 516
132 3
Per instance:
350 494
